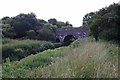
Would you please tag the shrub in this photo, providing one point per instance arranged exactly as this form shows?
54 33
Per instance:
17 49
21 68
6 40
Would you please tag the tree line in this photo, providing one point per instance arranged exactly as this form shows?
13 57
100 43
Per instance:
105 23
25 26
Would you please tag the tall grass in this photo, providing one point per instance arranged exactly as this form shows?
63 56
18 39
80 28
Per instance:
17 49
0 71
83 59
91 60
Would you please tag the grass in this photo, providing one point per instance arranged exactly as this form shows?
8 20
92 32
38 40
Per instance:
82 59
17 49
0 71
85 62
0 54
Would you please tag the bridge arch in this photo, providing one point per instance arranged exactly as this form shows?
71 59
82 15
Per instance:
68 39
57 40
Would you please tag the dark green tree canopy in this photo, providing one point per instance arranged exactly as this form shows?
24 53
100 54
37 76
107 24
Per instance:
105 23
28 26
52 21
59 24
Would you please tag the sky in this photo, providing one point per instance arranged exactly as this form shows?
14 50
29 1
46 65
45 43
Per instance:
72 11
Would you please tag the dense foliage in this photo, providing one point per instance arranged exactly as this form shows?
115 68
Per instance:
22 32
105 23
83 58
28 26
59 24
17 49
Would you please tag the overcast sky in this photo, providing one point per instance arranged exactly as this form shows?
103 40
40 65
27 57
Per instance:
63 10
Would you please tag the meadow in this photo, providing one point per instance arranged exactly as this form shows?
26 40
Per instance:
84 58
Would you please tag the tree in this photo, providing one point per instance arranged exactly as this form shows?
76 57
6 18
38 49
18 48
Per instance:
87 17
94 25
8 31
31 34
105 23
68 24
45 34
28 26
59 24
52 21
23 23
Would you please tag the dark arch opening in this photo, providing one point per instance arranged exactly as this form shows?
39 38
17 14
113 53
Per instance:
57 40
68 40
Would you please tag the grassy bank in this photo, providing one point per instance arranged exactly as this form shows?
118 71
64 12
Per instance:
83 58
17 49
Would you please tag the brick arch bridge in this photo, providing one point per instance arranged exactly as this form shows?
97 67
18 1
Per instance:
62 34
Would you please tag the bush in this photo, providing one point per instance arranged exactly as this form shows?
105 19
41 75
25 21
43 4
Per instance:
31 34
21 68
45 34
17 49
6 40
